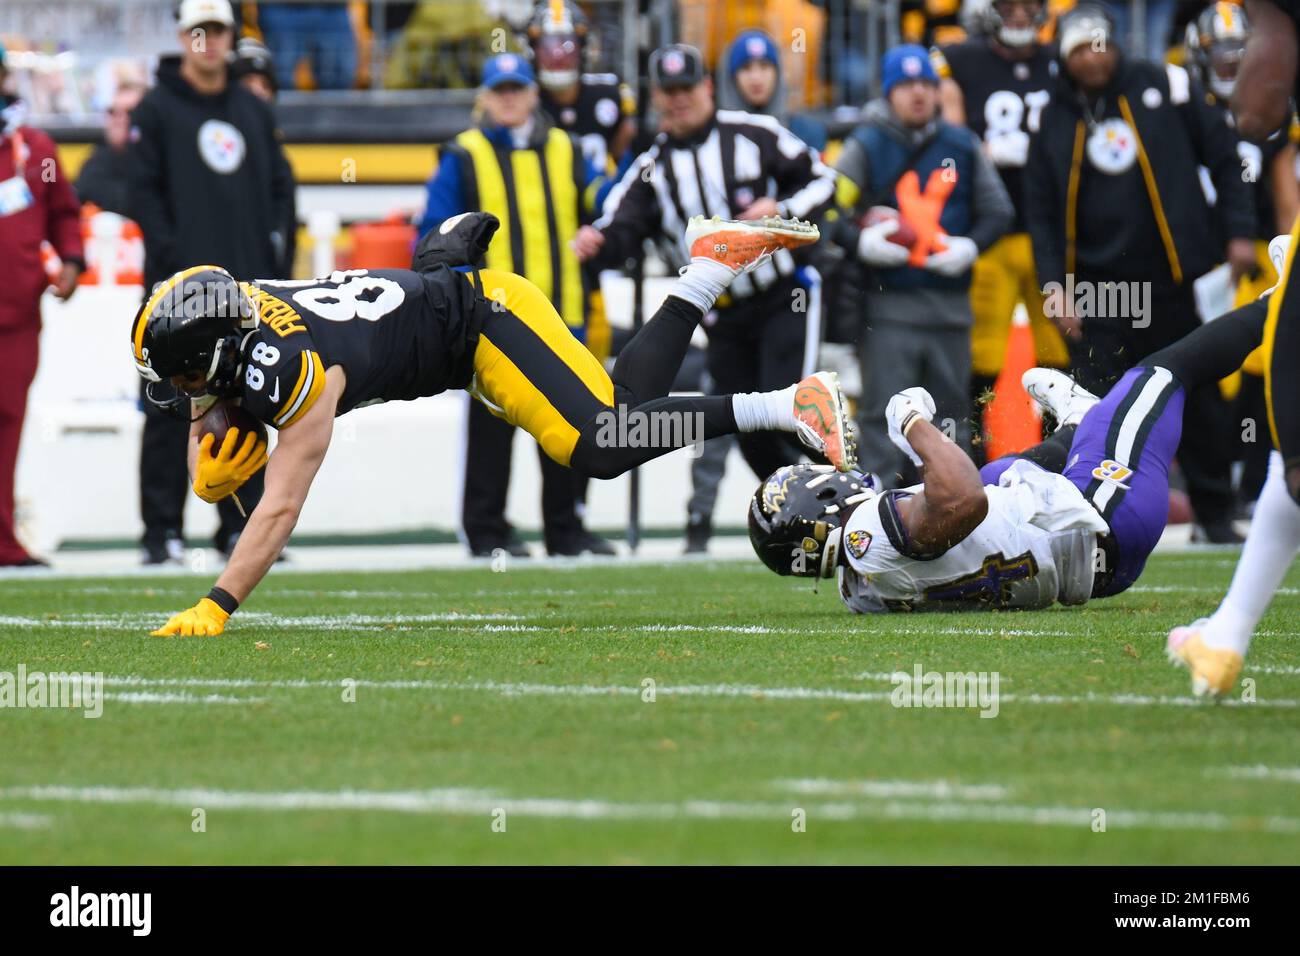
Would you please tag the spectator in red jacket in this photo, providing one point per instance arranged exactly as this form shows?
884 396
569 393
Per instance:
36 203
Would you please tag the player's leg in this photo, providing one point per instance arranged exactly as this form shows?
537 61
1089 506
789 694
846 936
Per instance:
1122 450
531 368
1214 649
1063 403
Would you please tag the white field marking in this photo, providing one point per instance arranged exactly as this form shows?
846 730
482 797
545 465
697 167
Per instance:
1272 669
147 697
1258 772
26 821
137 619
483 803
511 689
930 789
1195 589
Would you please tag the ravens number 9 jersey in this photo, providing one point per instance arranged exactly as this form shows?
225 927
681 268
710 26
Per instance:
397 335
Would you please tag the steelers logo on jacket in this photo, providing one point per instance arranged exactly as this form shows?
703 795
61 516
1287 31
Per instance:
1112 147
221 146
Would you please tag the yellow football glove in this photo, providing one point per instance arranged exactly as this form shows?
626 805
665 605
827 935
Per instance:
205 619
219 476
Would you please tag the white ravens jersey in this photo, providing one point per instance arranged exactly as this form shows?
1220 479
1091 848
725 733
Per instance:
1035 546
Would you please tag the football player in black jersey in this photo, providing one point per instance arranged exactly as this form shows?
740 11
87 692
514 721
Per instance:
997 83
297 354
1263 102
595 107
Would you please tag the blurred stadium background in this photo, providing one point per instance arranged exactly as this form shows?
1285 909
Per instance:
362 156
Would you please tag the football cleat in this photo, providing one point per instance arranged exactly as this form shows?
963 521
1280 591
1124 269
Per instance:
822 420
1058 395
1214 670
746 245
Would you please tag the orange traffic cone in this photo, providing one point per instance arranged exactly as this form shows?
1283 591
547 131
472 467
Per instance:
1011 420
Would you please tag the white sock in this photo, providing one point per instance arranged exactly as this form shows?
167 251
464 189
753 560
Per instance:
701 282
1270 547
765 411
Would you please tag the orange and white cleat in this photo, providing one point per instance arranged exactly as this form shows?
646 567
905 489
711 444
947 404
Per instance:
1214 670
823 422
745 245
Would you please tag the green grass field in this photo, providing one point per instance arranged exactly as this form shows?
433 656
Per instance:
486 699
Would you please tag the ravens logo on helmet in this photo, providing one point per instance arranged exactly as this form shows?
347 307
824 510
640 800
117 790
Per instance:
797 515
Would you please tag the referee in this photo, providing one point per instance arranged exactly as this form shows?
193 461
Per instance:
710 162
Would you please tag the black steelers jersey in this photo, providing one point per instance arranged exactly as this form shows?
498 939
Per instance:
1004 99
595 116
397 334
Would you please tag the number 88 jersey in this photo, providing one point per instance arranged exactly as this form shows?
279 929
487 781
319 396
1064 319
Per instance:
397 334
1003 99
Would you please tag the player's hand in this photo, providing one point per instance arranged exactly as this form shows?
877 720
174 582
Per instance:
875 249
66 283
1008 150
219 476
766 206
904 410
956 259
587 242
1241 257
205 619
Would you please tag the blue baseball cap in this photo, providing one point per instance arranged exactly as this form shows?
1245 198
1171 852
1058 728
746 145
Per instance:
507 68
751 45
904 63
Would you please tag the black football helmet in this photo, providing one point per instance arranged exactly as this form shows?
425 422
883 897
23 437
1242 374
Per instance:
195 321
1216 45
797 515
557 33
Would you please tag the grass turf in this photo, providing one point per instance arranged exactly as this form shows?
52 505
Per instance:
523 692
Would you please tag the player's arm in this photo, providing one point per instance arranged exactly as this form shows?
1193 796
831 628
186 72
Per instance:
1260 101
952 502
289 473
1285 187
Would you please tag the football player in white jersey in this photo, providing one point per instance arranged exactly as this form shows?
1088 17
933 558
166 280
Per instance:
1073 518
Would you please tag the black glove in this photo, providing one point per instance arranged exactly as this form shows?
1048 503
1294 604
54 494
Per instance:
460 241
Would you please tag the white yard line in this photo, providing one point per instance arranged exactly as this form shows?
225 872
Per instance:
146 697
889 789
756 692
25 821
479 802
1258 772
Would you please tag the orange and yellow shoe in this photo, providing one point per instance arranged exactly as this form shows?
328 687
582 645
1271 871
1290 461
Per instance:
745 245
1214 670
821 415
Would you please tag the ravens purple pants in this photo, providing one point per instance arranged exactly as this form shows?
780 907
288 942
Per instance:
1120 460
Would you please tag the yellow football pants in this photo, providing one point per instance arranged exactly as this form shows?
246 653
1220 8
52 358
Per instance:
531 371
1002 276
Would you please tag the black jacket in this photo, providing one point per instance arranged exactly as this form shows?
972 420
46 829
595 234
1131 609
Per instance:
1146 219
103 179
209 181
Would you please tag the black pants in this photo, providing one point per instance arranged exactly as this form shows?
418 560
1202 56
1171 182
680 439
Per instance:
1110 346
490 441
757 345
1282 381
165 482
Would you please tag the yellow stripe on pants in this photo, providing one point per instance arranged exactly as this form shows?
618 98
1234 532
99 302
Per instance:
500 383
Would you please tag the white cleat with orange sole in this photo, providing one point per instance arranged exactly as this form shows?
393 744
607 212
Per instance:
1214 670
823 422
743 245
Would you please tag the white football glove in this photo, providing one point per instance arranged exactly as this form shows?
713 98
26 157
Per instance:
956 259
1009 149
875 249
903 410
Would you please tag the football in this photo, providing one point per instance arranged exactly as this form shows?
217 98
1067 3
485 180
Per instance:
222 417
904 235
